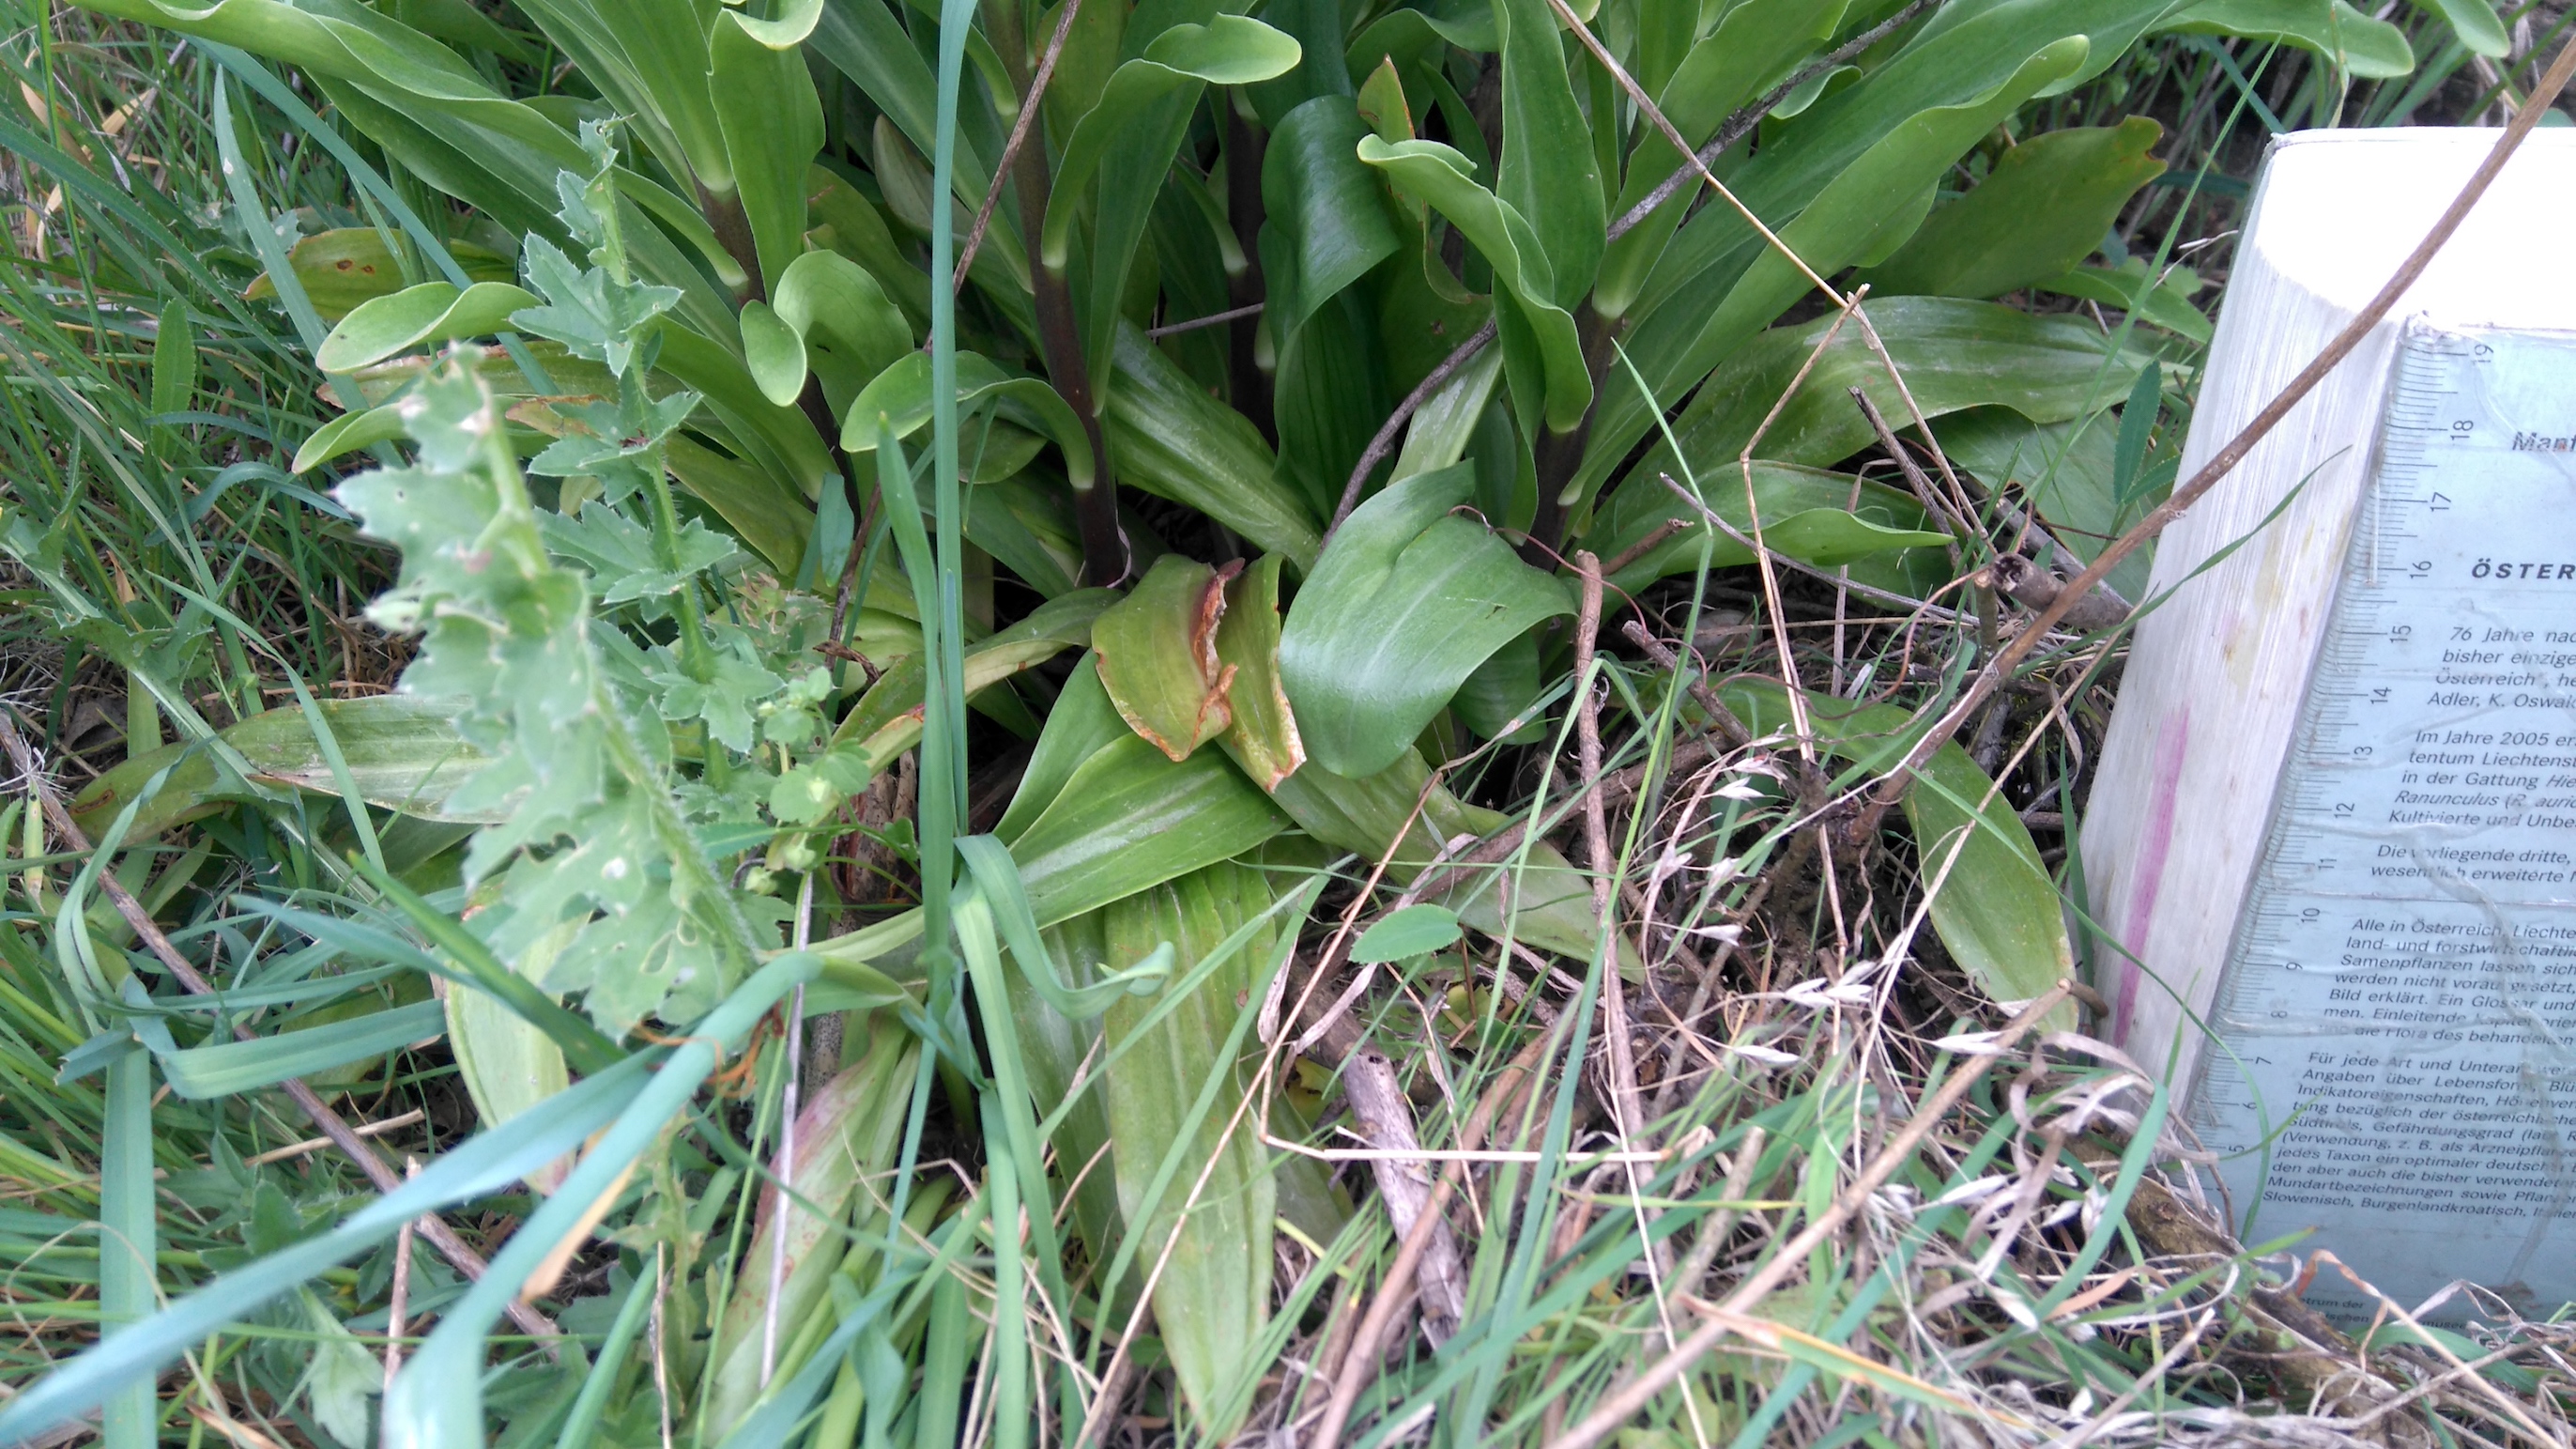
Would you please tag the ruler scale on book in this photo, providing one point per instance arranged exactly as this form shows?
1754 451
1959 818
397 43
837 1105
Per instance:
2404 968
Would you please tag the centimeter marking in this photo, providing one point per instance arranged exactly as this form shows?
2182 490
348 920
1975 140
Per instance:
2358 671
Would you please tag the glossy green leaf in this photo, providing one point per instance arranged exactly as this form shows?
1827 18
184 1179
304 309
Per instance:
347 266
2332 30
348 433
2476 25
1169 438
2165 303
1412 931
1129 818
1400 815
508 1064
1747 49
772 123
901 396
430 312
1826 519
1996 909
1954 354
1549 173
1158 658
2067 474
1444 179
1409 599
828 314
1325 220
1960 55
403 750
1083 722
1228 50
2043 209
1834 229
1263 738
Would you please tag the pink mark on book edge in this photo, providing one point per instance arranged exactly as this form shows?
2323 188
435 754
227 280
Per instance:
2172 738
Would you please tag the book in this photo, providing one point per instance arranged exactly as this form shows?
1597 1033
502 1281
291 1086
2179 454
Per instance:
2327 844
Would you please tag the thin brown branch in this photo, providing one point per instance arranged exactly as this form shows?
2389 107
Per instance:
1739 125
1384 442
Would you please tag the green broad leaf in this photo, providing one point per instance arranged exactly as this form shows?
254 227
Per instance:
1083 722
1412 931
900 397
1332 392
2332 30
430 312
1406 603
1263 738
1439 176
221 1070
1749 47
772 122
1325 222
849 224
403 750
1501 691
1228 50
1129 818
1954 354
1827 519
174 360
348 266
1836 228
1958 55
1829 536
1158 659
2164 303
1549 172
1194 1179
847 330
774 352
2474 22
2042 210
846 1134
1402 816
1169 438
1995 908
346 434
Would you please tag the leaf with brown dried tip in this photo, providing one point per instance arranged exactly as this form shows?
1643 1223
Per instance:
1158 655
1263 738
